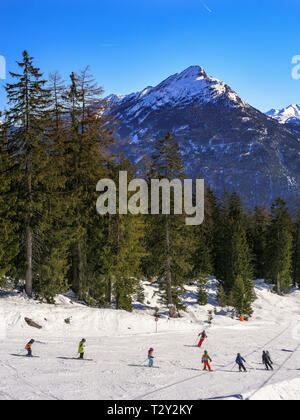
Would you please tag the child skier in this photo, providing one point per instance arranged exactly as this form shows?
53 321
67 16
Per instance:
267 360
81 348
206 359
150 357
28 348
203 337
240 361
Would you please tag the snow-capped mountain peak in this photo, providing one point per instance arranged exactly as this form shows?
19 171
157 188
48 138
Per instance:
113 99
222 138
192 72
192 85
291 114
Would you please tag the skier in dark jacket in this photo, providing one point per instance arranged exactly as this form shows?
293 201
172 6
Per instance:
267 361
240 361
28 348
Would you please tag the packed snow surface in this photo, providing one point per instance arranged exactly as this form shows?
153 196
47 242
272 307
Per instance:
118 342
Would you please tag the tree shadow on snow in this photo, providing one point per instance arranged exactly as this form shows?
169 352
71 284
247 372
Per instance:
140 306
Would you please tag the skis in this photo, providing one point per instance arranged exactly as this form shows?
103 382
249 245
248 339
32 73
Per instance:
145 366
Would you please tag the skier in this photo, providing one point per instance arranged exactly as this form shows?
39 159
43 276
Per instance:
28 348
267 360
81 348
268 354
203 337
150 357
240 361
206 359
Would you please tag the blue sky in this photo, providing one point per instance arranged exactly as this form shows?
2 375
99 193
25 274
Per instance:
131 44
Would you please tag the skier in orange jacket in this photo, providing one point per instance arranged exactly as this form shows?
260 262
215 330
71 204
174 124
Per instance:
28 348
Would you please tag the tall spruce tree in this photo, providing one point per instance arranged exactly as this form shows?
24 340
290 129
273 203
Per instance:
26 125
233 253
167 235
90 133
211 224
279 247
221 237
9 244
119 257
56 235
239 298
259 222
202 266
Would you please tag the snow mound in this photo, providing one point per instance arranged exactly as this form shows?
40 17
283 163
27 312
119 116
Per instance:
285 390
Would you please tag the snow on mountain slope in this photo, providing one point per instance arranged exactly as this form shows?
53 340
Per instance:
191 85
118 369
291 114
222 139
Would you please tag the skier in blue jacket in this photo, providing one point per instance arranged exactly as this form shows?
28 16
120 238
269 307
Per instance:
240 361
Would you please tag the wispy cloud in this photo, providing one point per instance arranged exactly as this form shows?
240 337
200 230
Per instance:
205 6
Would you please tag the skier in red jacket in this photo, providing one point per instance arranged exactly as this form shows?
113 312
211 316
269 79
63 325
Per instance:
202 336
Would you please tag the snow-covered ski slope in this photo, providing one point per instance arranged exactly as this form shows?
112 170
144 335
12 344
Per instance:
118 342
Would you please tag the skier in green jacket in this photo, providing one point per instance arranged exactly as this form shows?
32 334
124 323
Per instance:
81 348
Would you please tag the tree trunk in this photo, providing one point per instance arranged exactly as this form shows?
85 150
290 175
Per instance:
108 288
81 269
28 286
278 284
29 244
108 291
168 271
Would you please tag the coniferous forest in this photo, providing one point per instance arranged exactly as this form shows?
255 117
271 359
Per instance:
55 145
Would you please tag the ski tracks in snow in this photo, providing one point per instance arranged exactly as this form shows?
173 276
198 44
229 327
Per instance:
260 348
35 389
275 373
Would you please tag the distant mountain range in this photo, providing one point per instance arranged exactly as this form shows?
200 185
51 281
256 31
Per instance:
291 114
223 139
